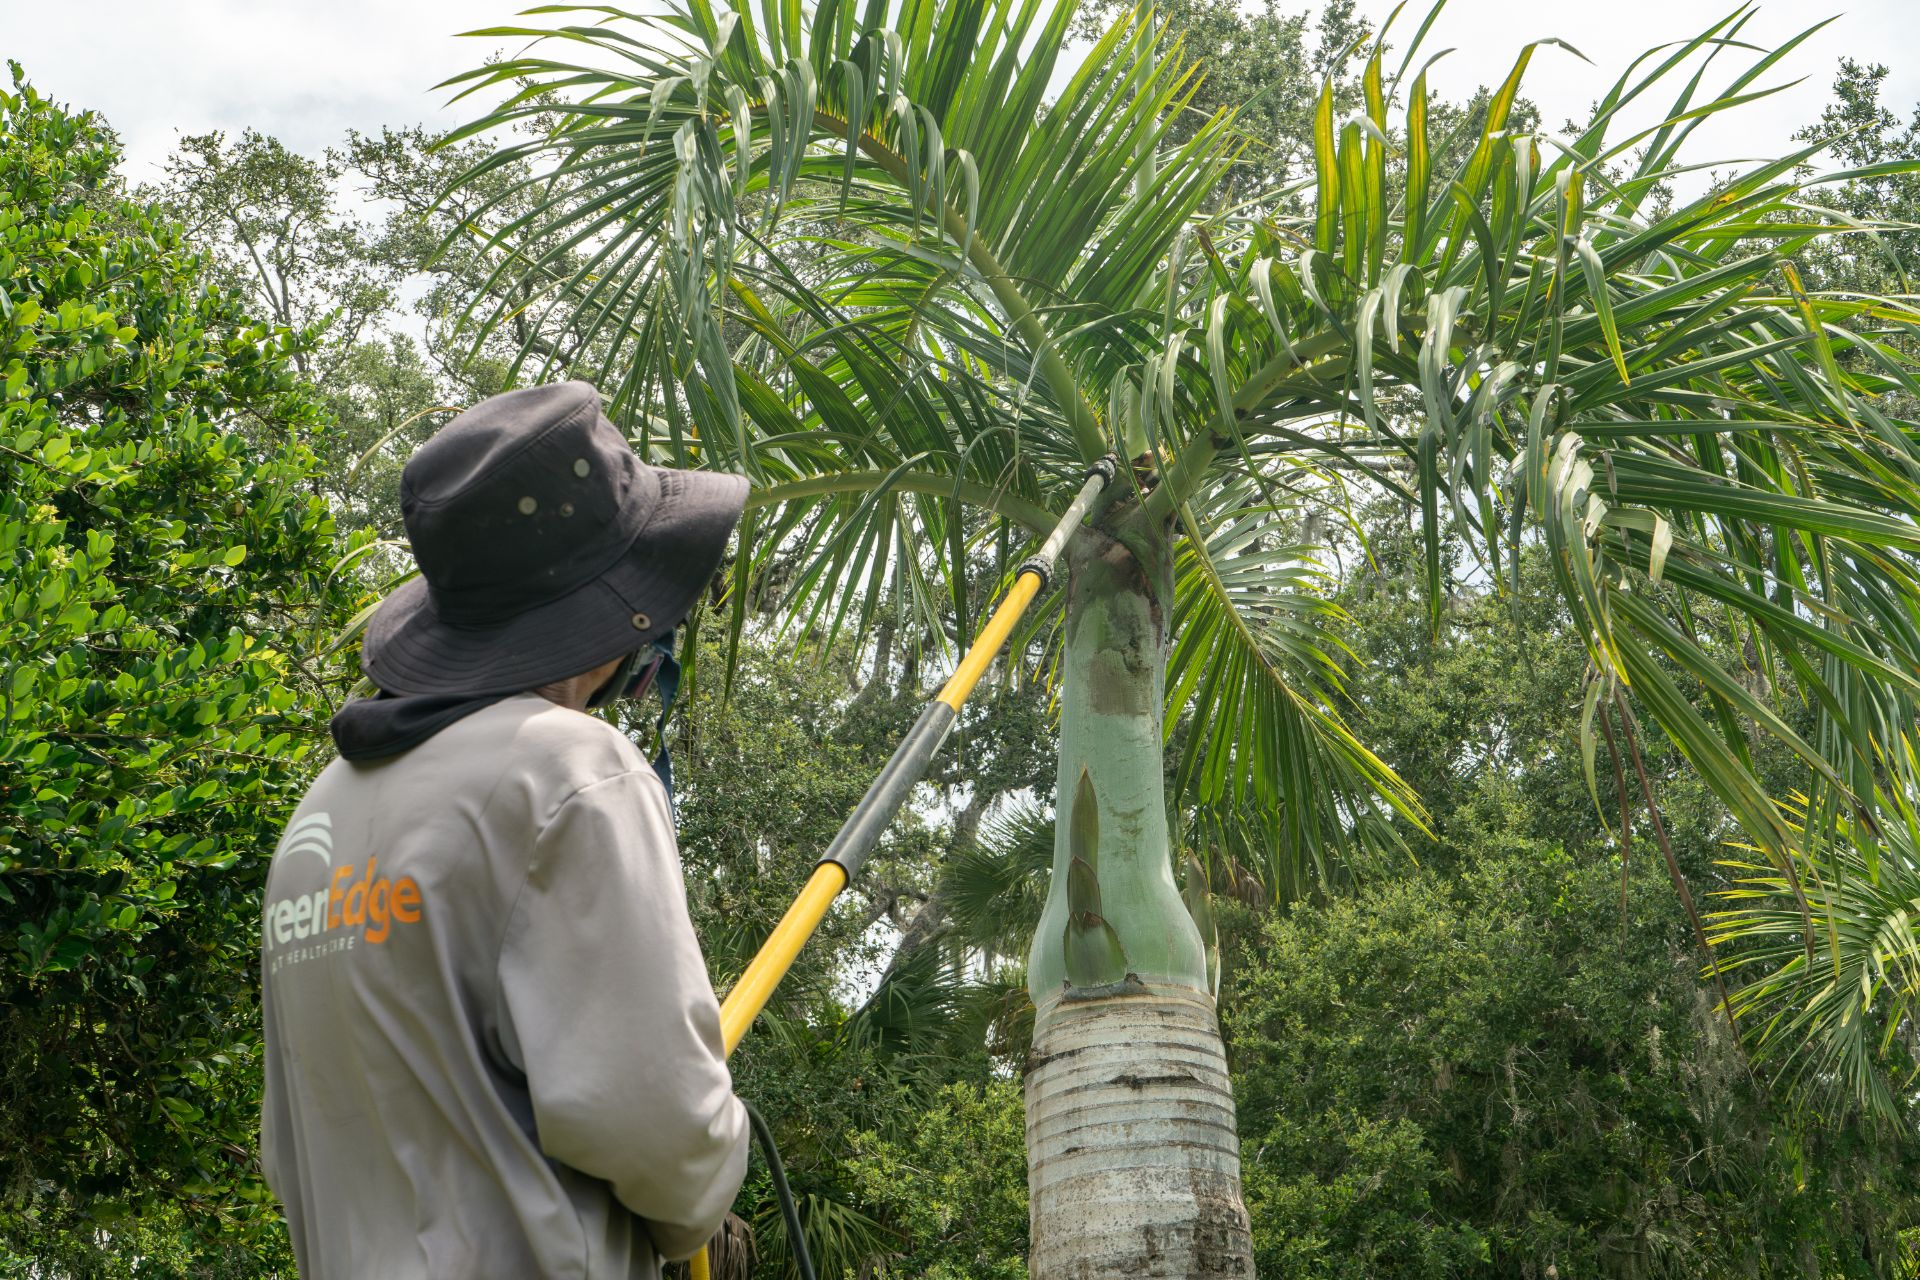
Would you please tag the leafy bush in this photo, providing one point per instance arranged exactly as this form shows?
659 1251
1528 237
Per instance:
953 1184
164 572
1513 1071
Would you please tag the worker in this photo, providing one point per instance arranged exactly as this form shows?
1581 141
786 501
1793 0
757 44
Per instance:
491 1045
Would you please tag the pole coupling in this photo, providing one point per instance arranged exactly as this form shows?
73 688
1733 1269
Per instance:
1040 567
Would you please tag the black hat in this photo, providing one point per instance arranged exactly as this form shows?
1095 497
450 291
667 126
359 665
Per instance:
546 547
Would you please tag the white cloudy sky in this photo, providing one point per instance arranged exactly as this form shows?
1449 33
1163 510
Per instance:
308 71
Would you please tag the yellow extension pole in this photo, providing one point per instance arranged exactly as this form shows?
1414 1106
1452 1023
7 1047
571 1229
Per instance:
776 955
870 818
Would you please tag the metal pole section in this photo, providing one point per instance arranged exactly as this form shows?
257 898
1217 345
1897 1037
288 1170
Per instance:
871 817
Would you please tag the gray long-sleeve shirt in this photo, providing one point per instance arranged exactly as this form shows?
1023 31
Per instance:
491 1046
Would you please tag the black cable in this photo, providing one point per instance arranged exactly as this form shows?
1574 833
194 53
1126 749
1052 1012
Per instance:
796 1236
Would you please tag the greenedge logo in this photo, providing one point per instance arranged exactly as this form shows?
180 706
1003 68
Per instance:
354 907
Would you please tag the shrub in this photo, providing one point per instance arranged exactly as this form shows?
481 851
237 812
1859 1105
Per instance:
953 1185
1513 1070
165 567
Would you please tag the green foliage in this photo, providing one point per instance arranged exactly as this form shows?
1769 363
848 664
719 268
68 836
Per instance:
1508 1059
1839 1020
165 576
1506 1072
1868 138
996 885
167 1240
268 218
270 222
383 402
1264 65
1479 716
951 1184
1483 718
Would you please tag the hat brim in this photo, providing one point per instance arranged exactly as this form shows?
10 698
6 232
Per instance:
410 649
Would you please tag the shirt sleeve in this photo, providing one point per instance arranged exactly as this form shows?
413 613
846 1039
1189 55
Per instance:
609 1010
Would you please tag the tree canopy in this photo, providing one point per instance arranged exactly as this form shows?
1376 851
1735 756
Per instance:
167 563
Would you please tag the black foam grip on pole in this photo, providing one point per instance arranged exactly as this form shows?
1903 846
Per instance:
889 791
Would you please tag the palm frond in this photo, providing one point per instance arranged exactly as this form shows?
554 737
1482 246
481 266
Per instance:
652 153
1837 1021
1533 348
1256 668
996 886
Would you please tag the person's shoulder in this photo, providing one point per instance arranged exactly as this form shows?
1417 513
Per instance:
572 736
564 750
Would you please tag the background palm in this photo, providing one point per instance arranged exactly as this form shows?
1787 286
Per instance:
868 260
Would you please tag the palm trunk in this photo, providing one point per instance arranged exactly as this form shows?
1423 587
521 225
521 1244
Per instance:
1132 1154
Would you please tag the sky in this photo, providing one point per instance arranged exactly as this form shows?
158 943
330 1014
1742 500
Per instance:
308 72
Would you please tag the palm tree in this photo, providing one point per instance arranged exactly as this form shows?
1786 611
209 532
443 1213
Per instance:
912 270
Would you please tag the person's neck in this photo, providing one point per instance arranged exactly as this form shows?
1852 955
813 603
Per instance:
571 693
574 692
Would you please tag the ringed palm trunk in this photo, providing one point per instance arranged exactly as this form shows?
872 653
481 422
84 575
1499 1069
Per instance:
1132 1151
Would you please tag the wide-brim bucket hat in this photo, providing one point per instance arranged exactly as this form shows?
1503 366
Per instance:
546 547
